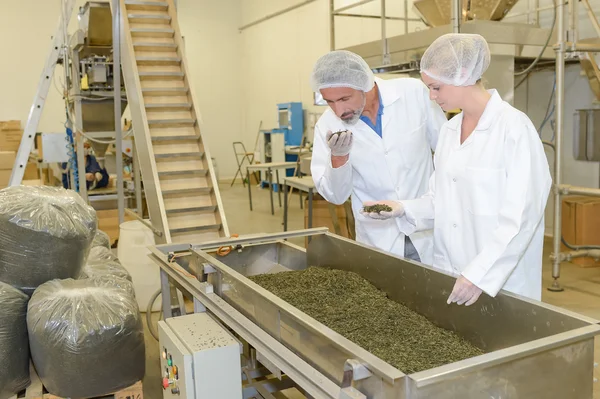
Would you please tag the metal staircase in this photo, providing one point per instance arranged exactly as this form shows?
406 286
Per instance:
179 180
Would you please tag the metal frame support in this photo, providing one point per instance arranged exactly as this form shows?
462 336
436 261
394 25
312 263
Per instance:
566 45
117 94
386 58
137 177
340 12
75 81
572 35
559 104
456 17
35 112
331 25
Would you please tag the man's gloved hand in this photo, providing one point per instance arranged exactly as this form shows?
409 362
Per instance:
397 210
464 292
340 144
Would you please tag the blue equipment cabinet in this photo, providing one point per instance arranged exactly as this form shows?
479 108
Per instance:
291 120
291 124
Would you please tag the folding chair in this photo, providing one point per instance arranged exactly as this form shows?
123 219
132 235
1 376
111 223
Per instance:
240 151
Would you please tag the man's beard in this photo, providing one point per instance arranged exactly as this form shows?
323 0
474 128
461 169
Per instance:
356 114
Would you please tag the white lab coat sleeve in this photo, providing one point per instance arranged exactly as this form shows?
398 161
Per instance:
419 213
522 209
435 118
334 184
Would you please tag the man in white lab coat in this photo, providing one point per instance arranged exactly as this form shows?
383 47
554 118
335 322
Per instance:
491 182
390 128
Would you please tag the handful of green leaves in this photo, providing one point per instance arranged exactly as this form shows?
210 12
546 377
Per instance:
378 208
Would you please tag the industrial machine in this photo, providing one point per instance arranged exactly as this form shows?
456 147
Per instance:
92 83
199 359
532 350
511 44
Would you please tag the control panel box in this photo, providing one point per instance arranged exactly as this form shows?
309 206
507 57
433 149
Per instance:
199 359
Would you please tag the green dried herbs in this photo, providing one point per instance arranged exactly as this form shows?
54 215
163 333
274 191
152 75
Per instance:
378 208
354 308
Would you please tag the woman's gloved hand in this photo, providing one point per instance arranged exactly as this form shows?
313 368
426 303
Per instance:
394 209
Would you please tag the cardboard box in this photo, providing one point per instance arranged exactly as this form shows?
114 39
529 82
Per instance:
581 225
31 172
7 159
4 178
32 182
322 217
10 125
10 140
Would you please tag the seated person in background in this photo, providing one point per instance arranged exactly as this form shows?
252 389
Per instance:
96 176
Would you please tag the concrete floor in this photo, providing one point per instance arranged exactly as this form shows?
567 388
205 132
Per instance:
581 295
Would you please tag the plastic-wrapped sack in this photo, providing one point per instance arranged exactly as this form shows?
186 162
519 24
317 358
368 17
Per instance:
86 336
45 234
101 240
101 254
102 263
14 345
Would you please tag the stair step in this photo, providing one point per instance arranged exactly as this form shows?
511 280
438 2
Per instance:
152 32
154 46
172 122
195 190
144 75
196 172
206 209
146 5
206 227
175 138
198 155
168 107
167 91
149 18
142 60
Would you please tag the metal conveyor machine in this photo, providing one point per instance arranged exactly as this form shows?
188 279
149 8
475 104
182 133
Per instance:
532 350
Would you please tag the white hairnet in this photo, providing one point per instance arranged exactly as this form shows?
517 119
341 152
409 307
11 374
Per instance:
456 59
342 68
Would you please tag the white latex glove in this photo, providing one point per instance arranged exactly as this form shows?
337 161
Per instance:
397 210
464 292
340 144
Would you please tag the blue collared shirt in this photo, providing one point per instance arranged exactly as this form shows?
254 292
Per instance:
376 128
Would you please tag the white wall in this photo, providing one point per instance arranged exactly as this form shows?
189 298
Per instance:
26 27
212 48
212 43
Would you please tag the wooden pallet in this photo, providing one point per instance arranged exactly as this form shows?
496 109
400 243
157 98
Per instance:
36 390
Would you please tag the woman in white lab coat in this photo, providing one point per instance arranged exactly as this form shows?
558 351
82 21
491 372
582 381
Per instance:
488 193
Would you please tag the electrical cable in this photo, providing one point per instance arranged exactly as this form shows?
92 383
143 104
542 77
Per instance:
534 63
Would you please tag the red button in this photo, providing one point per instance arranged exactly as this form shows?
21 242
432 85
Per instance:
165 383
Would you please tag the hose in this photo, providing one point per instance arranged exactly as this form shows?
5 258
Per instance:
157 294
534 63
149 314
225 250
578 247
